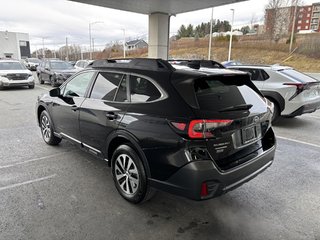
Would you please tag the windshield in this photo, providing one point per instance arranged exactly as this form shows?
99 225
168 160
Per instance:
298 76
11 66
34 60
61 65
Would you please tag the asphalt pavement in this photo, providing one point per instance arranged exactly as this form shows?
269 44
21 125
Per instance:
64 193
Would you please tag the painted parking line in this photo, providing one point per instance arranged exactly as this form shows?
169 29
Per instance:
34 160
27 182
298 141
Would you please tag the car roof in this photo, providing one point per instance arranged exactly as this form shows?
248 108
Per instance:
158 65
275 67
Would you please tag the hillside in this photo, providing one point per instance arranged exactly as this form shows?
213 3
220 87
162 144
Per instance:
250 50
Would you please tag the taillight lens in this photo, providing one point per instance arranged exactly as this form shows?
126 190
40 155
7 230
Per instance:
203 128
300 87
179 125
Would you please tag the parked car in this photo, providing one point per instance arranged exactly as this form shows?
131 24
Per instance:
82 64
292 92
54 71
32 63
197 64
192 133
14 73
230 63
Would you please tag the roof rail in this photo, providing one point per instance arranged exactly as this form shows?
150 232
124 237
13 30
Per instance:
137 63
196 64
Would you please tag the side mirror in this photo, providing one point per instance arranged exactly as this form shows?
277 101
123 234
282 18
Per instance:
55 92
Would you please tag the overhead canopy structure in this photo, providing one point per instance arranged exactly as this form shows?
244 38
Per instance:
159 12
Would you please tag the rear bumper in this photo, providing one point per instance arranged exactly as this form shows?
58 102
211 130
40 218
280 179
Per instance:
307 108
188 180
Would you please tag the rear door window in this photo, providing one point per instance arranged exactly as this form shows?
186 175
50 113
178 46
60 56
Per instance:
297 76
106 85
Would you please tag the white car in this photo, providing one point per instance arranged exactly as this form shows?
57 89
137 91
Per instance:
292 92
82 64
14 73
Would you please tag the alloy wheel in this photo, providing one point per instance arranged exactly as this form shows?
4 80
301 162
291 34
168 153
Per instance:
127 174
45 128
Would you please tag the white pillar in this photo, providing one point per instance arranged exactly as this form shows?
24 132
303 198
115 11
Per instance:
159 26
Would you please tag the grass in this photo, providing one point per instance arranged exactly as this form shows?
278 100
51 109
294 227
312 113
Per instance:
249 50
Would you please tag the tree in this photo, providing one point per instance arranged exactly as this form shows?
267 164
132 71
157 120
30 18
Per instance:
245 30
279 16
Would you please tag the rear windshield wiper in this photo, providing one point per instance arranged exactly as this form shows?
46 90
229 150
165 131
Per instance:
237 108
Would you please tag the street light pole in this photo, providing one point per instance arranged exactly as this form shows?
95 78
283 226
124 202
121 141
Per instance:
124 42
90 57
230 42
210 37
90 39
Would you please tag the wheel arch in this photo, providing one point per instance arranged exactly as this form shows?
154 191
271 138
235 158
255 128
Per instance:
121 137
40 109
276 97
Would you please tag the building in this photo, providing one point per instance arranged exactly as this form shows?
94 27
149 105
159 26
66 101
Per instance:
279 21
136 44
14 45
315 17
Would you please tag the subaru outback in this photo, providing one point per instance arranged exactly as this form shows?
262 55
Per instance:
195 134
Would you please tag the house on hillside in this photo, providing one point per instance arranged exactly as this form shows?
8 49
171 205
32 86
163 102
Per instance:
136 44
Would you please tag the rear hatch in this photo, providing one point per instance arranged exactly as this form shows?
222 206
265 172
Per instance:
306 87
231 116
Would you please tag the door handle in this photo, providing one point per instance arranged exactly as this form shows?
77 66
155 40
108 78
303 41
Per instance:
74 108
111 115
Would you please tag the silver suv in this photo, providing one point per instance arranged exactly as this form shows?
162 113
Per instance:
292 92
14 73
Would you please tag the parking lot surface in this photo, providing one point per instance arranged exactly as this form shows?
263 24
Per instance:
63 193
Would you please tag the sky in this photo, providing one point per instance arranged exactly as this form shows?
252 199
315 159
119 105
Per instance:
52 21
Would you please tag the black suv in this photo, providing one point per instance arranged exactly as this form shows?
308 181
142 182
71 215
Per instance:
54 71
190 133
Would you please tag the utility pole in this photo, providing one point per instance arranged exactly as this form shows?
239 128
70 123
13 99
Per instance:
67 49
293 25
210 37
230 42
90 39
93 47
43 52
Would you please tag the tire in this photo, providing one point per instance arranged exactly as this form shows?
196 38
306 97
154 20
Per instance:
31 86
40 79
47 129
276 112
129 175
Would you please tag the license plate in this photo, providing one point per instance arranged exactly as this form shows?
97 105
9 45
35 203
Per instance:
249 134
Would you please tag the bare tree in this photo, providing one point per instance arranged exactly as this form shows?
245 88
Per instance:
278 17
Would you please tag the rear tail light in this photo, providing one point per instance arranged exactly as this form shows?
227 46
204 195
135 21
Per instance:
200 129
179 126
203 128
300 87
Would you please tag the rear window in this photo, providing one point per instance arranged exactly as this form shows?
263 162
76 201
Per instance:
298 76
216 95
